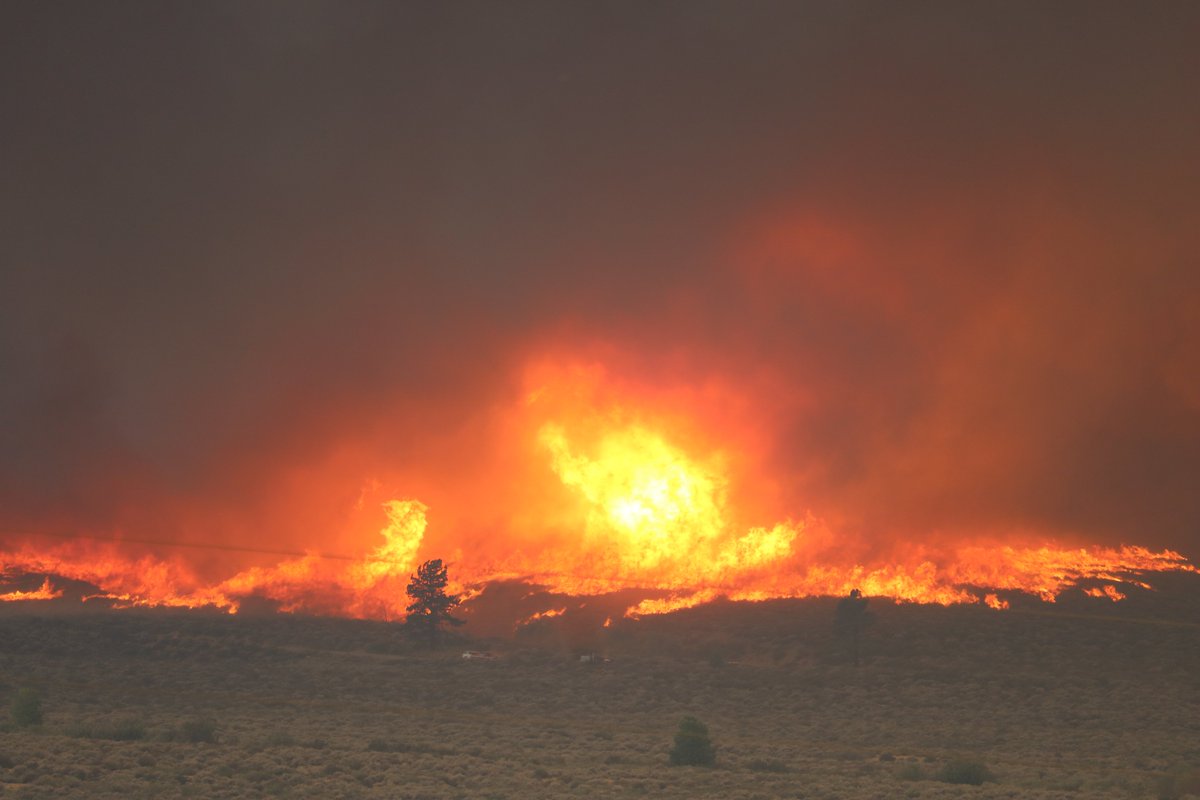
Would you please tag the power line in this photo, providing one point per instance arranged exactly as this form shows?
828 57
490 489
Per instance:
199 545
529 577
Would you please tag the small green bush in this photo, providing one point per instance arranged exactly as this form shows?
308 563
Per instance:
912 772
692 745
26 708
128 730
198 730
971 773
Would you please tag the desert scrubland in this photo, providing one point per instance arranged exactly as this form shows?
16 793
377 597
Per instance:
1080 699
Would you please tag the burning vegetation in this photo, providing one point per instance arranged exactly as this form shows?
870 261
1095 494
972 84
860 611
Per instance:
626 498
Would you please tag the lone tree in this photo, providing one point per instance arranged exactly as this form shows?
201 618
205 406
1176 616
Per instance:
430 606
692 745
850 620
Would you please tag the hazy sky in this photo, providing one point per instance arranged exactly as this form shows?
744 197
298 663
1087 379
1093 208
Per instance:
949 252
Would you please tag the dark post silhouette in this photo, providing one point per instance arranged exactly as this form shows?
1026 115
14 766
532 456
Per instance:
850 620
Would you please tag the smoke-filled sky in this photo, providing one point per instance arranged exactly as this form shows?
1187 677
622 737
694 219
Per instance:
920 269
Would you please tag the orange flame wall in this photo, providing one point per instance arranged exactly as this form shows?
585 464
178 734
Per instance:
600 485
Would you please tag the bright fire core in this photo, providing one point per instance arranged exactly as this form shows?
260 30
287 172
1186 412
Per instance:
655 515
635 508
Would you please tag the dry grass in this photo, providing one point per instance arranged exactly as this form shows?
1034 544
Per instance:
1055 705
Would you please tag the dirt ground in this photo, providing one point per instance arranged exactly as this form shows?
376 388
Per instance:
1075 700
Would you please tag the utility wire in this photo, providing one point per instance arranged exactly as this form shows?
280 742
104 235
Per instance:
530 577
198 545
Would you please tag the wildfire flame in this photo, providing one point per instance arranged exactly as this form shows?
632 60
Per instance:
993 601
656 517
43 592
1106 591
372 586
547 614
637 506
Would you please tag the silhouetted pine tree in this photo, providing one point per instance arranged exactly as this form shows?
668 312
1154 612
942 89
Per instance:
430 606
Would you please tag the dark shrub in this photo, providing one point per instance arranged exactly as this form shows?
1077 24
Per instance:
198 730
127 730
396 746
911 772
26 708
692 745
972 773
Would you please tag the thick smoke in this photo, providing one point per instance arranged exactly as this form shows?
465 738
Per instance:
255 257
